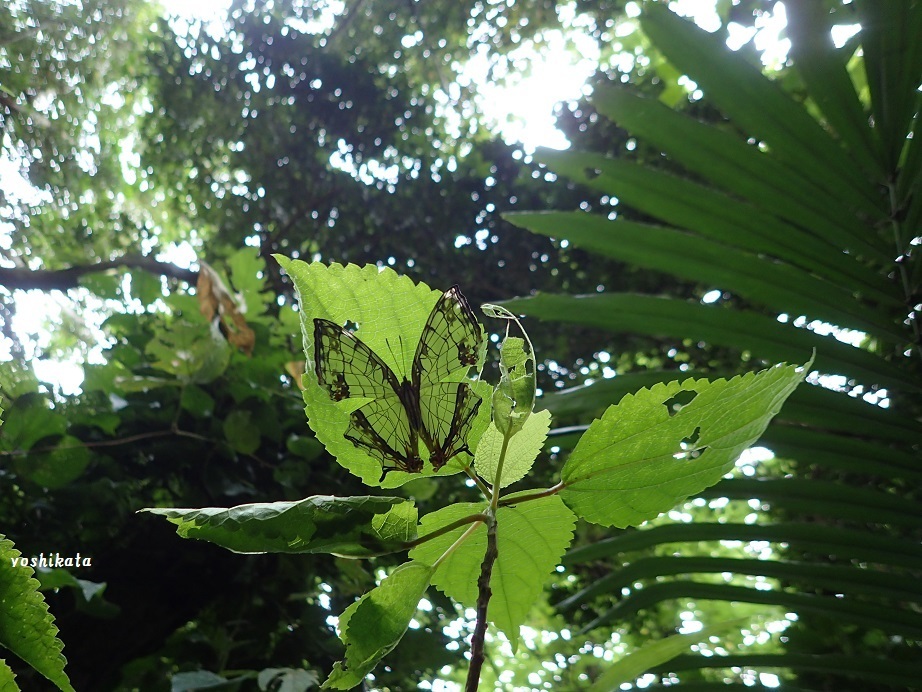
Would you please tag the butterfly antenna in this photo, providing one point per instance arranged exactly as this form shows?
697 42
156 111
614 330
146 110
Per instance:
398 361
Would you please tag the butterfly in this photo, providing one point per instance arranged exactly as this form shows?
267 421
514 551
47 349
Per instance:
403 412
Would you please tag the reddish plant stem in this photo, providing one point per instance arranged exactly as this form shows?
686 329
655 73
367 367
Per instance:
483 600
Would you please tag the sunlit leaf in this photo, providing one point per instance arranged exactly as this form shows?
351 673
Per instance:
629 466
521 453
531 537
26 627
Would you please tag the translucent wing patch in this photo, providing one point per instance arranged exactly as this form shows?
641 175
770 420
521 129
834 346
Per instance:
364 435
347 368
450 343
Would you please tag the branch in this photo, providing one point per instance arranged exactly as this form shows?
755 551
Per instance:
483 600
63 279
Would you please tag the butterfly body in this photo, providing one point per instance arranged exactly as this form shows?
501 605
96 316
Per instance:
431 407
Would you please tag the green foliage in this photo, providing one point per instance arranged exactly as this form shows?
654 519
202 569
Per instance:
519 454
656 653
531 538
26 627
373 625
350 526
331 143
661 445
789 198
391 313
608 478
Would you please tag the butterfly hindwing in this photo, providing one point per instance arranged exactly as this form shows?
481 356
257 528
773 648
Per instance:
450 427
347 368
364 434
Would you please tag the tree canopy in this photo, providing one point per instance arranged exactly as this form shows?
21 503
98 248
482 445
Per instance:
711 218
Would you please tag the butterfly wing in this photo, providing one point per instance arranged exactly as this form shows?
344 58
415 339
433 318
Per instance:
449 426
450 342
450 345
347 368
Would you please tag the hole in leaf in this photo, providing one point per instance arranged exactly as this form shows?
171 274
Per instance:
689 448
680 400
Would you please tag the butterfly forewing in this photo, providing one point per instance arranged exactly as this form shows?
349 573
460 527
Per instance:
450 342
347 368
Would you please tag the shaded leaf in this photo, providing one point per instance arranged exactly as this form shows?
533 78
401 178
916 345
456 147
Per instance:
30 421
56 467
241 431
346 526
654 653
372 626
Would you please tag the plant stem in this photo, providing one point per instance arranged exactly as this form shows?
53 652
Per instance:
533 496
484 488
445 529
483 600
498 478
454 546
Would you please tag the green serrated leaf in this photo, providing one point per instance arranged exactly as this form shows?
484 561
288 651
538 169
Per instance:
630 667
531 537
26 627
7 678
661 445
344 526
391 312
521 452
514 397
398 524
372 626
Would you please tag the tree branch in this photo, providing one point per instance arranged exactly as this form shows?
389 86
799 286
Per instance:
483 600
63 279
